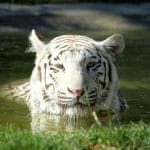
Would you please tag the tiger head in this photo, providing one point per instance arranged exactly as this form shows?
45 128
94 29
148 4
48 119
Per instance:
74 72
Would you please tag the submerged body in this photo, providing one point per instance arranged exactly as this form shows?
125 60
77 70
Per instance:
73 75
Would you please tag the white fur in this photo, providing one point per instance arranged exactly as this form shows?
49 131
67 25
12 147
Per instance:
74 77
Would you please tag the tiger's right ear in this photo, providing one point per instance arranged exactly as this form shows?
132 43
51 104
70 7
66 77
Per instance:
36 43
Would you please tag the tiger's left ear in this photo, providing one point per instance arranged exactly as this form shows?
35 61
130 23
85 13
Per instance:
36 41
113 45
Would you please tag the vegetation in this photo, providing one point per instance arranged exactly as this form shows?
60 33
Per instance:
125 137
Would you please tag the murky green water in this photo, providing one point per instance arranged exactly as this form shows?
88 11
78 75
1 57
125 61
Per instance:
134 74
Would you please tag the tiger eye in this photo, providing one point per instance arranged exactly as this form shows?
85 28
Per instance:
91 64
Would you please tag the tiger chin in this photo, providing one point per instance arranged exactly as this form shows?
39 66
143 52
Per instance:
73 76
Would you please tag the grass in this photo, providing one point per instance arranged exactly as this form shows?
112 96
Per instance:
125 137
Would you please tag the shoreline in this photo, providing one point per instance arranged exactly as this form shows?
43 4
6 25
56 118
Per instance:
69 17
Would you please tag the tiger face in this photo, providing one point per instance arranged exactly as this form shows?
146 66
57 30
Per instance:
74 73
78 73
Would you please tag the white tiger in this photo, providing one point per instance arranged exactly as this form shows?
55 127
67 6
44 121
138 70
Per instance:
73 75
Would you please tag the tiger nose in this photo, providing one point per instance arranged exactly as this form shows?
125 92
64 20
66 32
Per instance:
77 93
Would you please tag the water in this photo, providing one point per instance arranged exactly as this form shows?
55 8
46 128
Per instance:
134 73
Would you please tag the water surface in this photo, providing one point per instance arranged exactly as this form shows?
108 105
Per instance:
134 75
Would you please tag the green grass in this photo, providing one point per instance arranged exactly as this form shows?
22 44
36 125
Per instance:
125 137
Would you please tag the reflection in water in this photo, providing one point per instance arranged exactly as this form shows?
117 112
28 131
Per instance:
46 123
42 122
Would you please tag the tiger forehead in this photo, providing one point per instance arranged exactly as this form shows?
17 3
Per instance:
72 42
72 38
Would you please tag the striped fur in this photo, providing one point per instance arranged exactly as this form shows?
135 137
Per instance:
70 63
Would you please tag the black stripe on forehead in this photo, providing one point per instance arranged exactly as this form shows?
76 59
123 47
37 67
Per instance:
83 42
63 41
61 38
77 47
76 39
72 37
72 44
62 45
84 38
84 46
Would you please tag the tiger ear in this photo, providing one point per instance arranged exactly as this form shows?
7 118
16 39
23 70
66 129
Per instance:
36 43
113 45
